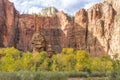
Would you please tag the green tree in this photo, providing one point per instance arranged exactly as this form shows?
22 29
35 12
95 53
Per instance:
26 62
12 51
68 62
57 62
101 65
44 66
41 60
82 61
115 75
10 56
67 50
7 63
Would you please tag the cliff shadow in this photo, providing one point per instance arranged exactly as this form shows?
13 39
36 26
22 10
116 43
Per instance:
85 40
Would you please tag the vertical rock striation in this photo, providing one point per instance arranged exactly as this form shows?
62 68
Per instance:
96 30
7 23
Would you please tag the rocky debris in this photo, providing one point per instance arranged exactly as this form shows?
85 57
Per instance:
96 30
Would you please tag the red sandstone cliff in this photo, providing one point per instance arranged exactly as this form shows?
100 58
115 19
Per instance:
7 23
96 30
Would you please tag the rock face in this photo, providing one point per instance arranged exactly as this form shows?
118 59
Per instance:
115 4
48 11
7 23
100 23
38 42
96 30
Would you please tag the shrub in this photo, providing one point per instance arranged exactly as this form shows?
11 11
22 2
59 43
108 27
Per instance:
50 76
74 74
7 63
9 76
44 66
115 75
27 75
68 50
63 62
41 61
98 74
27 62
82 61
57 62
101 65
11 51
68 60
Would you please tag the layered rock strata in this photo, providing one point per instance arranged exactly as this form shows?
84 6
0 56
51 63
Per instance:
96 30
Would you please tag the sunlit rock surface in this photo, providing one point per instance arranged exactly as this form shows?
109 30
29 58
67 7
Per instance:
96 30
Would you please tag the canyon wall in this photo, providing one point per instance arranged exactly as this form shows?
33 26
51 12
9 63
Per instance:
96 30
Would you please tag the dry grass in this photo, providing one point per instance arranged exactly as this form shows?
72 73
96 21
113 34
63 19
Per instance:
75 79
95 78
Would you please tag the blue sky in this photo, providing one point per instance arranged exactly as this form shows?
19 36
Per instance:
68 6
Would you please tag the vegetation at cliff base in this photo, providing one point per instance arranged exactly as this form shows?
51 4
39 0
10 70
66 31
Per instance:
69 63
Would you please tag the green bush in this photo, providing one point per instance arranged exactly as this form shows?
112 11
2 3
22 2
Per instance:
68 50
74 74
27 75
7 63
9 76
63 62
50 76
11 51
27 62
82 61
68 60
77 63
115 75
98 74
101 65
